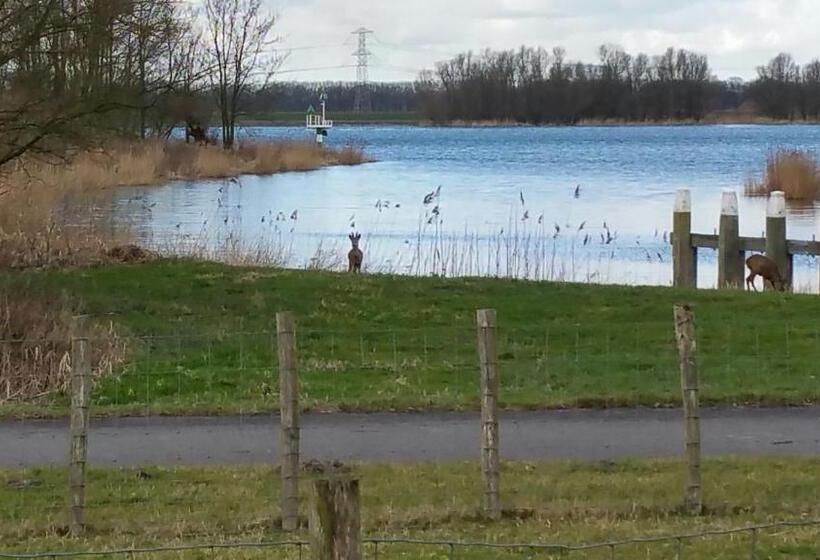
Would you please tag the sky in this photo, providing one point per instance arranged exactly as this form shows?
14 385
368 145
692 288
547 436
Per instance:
410 35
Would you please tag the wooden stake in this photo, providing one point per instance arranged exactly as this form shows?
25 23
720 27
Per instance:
730 257
80 400
490 459
776 248
684 255
335 519
289 419
687 351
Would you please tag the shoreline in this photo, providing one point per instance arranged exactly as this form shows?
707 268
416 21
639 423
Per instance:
512 124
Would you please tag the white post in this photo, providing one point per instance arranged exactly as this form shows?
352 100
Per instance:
730 257
776 236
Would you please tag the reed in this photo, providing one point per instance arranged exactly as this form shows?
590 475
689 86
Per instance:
795 172
35 343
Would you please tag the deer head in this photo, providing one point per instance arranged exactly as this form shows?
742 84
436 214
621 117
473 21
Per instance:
354 239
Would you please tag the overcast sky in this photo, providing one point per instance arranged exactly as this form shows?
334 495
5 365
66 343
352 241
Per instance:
410 35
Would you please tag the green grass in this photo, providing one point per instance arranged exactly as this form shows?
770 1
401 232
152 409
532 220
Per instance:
399 343
398 117
550 502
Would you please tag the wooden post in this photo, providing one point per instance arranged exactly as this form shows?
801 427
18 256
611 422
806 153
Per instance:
776 236
687 351
335 519
289 419
684 255
80 397
490 461
730 257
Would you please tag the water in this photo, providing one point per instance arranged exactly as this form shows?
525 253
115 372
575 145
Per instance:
624 178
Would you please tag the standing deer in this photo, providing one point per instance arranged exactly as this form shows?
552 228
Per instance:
355 256
761 265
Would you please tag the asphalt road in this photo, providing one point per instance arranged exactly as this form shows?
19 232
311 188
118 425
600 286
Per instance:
415 437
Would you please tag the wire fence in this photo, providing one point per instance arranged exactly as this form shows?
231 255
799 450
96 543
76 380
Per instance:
556 363
772 540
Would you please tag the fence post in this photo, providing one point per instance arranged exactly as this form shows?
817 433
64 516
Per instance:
289 419
80 397
776 248
730 257
687 351
684 255
490 461
335 518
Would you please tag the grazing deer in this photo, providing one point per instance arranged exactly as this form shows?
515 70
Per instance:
355 256
761 265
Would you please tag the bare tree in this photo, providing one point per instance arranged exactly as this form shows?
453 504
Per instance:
239 55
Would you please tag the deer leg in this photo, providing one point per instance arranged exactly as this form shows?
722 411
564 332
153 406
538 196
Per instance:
750 281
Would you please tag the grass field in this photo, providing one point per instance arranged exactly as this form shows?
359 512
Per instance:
200 339
555 502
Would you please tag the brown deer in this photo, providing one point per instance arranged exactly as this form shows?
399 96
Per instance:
761 265
355 256
197 132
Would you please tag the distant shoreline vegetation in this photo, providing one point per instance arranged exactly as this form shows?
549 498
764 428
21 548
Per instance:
533 85
418 119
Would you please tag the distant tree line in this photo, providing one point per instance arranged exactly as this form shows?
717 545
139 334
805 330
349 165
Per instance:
533 85
397 97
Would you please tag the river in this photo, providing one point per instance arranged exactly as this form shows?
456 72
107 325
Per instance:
587 204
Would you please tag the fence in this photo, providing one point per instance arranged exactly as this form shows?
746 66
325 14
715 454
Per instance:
557 362
750 544
730 245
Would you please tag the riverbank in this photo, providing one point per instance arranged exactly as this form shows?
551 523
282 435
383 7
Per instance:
196 338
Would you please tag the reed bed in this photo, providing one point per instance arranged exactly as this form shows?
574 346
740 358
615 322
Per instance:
35 343
795 172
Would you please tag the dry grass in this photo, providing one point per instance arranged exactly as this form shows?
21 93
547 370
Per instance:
794 172
35 358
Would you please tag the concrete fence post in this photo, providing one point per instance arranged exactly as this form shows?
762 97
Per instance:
684 255
289 419
730 257
687 352
490 458
776 248
80 400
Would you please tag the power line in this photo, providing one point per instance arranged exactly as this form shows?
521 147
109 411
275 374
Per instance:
315 68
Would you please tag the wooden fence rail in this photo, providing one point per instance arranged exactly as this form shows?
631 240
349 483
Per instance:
731 246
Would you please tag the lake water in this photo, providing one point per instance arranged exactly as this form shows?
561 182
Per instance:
584 204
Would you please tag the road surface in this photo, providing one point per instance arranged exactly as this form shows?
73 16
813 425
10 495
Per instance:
414 437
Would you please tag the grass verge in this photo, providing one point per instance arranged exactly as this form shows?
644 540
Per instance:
201 339
551 502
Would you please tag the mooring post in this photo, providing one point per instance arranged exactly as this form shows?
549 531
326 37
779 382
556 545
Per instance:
335 518
730 257
80 397
776 248
687 352
490 459
684 255
289 419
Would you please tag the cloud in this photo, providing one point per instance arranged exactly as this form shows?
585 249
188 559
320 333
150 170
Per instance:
738 35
